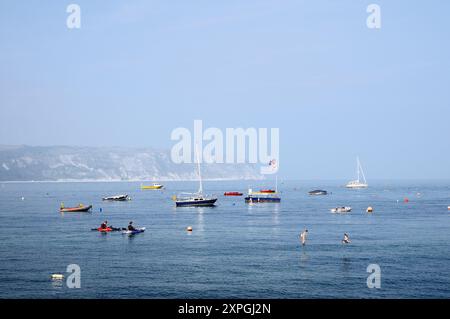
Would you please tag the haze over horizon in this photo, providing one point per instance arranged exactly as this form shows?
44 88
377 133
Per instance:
137 70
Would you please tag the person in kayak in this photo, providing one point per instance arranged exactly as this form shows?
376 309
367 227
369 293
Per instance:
104 225
131 227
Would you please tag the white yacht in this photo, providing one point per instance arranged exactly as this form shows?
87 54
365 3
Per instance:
358 183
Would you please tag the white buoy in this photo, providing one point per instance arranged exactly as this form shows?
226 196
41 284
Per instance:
23 198
369 209
189 228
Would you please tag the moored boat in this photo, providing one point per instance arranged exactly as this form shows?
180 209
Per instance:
153 186
195 199
260 197
344 209
267 191
80 208
358 183
232 194
119 198
318 192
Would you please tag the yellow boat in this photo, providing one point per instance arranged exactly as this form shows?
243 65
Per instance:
154 186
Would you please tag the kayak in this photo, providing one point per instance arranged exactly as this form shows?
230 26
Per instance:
132 232
107 230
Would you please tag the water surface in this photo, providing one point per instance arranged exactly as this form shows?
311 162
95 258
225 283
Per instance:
235 250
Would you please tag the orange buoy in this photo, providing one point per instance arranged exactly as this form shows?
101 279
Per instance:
406 200
369 209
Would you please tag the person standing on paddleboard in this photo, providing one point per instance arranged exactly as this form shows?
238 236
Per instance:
303 237
346 239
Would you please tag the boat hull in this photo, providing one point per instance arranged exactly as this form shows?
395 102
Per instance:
318 193
197 203
83 209
151 187
262 199
359 186
341 210
233 194
117 198
267 191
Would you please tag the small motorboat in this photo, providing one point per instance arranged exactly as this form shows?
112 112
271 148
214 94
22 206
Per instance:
80 208
232 194
119 198
153 186
341 210
318 192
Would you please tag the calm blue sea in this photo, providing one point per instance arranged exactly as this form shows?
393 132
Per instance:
235 250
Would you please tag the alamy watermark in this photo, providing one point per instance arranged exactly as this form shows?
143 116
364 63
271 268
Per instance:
374 279
374 19
235 145
73 20
74 279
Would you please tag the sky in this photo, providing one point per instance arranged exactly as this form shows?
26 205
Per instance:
136 70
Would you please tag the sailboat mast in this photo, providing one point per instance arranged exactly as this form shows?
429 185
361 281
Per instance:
357 167
276 184
362 172
200 190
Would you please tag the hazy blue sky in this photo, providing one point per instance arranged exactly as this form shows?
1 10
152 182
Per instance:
138 69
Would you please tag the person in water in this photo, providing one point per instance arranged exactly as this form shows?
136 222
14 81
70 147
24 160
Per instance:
346 239
131 227
303 236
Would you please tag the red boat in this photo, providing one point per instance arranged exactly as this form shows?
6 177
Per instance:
269 191
232 194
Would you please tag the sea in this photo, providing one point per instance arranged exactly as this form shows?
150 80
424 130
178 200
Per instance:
235 250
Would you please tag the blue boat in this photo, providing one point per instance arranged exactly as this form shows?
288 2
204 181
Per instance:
197 200
260 197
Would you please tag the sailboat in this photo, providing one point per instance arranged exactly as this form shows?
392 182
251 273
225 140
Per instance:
195 199
359 172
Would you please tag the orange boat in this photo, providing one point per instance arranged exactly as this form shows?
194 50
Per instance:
80 208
